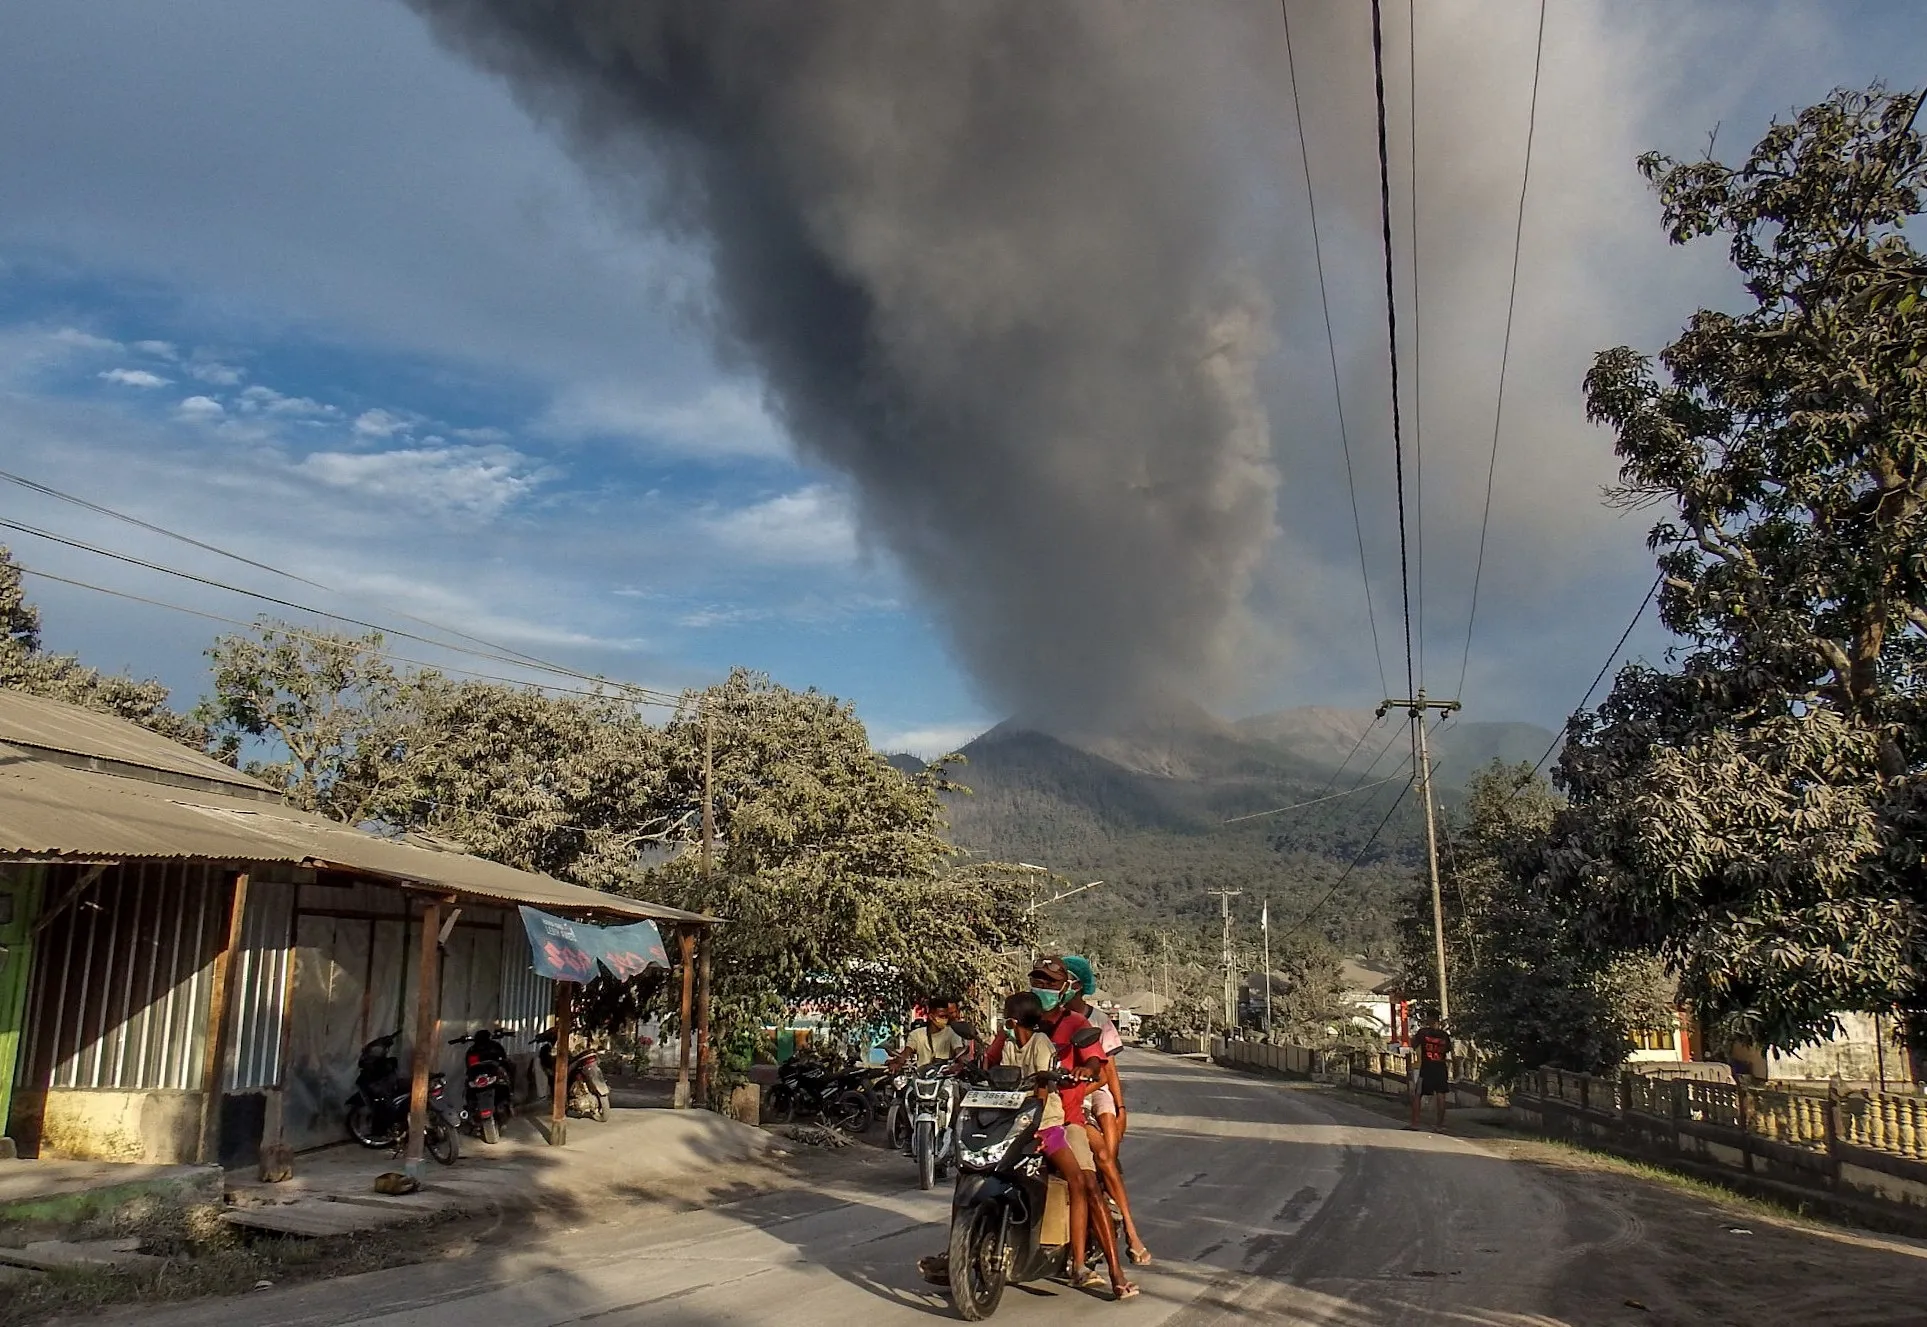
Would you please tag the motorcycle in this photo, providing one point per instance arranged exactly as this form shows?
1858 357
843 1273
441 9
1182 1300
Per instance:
377 1112
588 1091
934 1094
892 1096
489 1090
810 1089
1009 1219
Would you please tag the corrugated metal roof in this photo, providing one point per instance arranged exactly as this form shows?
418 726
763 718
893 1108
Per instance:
52 725
52 811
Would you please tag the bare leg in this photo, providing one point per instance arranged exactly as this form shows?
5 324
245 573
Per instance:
1106 1237
1065 1164
1417 1101
1104 1149
1441 1100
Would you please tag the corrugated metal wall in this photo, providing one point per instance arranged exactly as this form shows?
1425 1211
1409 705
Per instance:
258 986
527 1001
122 979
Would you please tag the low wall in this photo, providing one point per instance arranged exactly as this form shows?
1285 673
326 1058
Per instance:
1865 1145
155 1127
1363 1071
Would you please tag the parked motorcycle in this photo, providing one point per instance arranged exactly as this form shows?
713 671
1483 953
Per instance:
809 1089
377 1112
588 1091
1006 1194
489 1091
935 1091
891 1097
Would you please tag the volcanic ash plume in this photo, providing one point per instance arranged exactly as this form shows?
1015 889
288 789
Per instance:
985 256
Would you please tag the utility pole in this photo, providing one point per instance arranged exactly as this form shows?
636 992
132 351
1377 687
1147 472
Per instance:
709 791
1264 926
1417 707
1230 1001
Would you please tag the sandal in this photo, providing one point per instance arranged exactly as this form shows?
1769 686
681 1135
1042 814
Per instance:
1123 1292
1090 1279
1139 1256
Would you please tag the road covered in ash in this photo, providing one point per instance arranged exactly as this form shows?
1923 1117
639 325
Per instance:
1262 1201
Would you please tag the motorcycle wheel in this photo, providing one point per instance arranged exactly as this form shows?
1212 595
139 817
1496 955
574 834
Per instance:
444 1143
849 1111
361 1125
900 1129
491 1131
601 1111
976 1272
926 1155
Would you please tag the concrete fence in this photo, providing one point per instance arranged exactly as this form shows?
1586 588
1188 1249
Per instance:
1384 1072
1858 1144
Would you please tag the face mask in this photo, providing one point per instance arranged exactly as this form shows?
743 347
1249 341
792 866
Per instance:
1049 999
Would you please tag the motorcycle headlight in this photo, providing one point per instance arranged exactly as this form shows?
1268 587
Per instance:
987 1158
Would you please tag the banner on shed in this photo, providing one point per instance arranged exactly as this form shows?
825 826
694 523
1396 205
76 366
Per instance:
569 951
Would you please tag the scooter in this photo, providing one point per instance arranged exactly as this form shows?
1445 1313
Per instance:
810 1089
1009 1220
588 1090
489 1095
377 1112
934 1093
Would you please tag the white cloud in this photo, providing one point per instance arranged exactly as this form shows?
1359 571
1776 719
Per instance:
265 400
726 421
216 373
379 424
74 339
813 524
135 378
201 408
474 481
927 743
158 349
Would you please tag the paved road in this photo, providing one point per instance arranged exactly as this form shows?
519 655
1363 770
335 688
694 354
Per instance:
1261 1201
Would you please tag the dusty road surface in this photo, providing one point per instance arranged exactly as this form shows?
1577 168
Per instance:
1263 1202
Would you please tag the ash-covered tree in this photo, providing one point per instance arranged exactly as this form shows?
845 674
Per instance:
1529 987
831 865
1757 814
26 666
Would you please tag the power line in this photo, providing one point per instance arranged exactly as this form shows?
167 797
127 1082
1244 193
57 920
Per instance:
1418 336
1505 349
98 551
1598 677
1295 806
1331 343
1345 875
1391 331
288 629
47 490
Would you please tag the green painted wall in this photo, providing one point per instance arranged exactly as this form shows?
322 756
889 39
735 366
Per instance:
19 905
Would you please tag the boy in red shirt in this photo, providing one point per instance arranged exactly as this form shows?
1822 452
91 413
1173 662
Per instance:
1432 1048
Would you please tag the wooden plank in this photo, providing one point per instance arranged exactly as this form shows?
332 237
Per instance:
214 1071
316 1220
428 1039
687 937
559 1088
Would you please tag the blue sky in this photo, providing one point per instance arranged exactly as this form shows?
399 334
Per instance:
293 279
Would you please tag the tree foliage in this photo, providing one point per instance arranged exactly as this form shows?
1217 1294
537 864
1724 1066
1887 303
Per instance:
26 666
1756 814
1529 987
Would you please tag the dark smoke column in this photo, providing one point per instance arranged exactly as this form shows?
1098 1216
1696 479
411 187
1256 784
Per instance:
985 256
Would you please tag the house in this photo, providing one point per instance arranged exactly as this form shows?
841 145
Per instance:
189 967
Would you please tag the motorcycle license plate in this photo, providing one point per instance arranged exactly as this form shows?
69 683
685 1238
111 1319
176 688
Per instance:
985 1100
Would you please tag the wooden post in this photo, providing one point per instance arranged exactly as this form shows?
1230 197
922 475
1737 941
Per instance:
217 1039
687 937
428 1034
564 1027
703 1049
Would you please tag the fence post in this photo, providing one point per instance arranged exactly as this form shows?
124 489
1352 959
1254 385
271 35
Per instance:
1834 1106
1625 1100
1680 1112
1745 1121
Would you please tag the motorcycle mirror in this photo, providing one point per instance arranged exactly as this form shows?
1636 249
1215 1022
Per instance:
1085 1038
964 1030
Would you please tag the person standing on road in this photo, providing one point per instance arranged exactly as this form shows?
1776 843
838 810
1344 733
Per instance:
1432 1051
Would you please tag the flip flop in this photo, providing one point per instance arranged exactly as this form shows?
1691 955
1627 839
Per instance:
1091 1279
1139 1256
1124 1292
